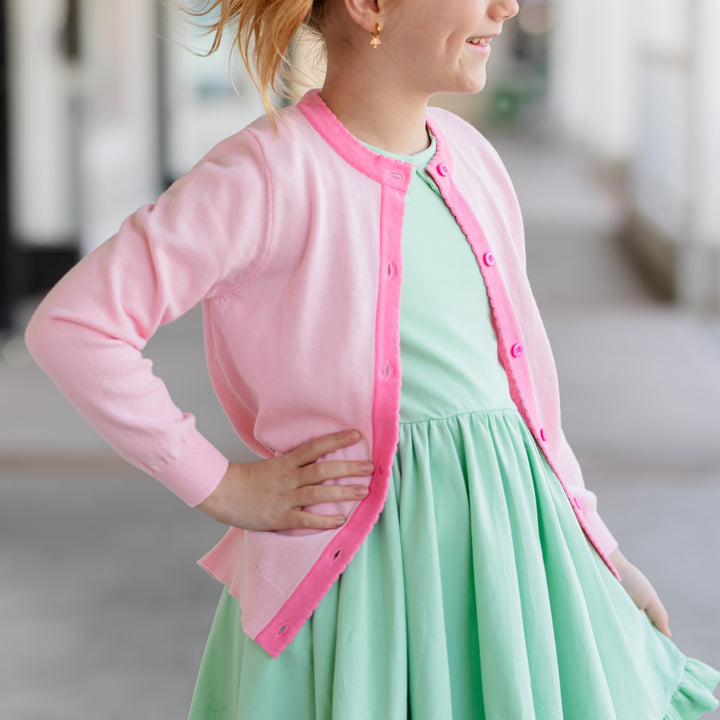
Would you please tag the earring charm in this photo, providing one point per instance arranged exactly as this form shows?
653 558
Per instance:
375 37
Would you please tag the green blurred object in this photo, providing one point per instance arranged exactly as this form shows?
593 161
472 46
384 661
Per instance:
506 106
513 96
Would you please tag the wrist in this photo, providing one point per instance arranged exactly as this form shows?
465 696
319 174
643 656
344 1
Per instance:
620 562
216 497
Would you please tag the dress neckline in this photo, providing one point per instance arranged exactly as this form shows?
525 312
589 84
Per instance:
419 160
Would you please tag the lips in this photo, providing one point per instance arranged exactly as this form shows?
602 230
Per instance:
480 41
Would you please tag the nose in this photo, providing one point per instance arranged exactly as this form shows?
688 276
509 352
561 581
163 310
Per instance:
504 9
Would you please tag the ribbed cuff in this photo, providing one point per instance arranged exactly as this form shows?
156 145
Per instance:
196 472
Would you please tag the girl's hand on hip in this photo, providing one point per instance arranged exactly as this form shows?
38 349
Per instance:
272 494
640 589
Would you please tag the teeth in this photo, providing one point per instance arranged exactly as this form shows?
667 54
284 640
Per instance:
482 42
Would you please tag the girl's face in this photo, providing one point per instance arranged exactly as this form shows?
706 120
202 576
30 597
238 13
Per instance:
441 45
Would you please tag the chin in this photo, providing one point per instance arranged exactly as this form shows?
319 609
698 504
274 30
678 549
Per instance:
468 83
478 87
469 87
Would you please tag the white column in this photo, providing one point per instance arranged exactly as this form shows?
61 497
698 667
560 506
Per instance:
40 151
704 125
118 144
677 165
208 98
567 81
660 164
594 74
698 281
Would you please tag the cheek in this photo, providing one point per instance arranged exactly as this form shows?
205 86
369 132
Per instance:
457 42
422 54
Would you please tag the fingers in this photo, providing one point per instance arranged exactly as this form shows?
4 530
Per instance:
314 449
311 473
316 494
332 470
272 494
312 521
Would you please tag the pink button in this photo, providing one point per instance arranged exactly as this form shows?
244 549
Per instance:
543 435
517 350
489 258
443 169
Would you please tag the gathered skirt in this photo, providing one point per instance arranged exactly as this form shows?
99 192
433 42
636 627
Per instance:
476 595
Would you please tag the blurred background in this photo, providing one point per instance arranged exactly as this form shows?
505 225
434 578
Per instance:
607 114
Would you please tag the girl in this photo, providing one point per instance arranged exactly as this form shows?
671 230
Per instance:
418 541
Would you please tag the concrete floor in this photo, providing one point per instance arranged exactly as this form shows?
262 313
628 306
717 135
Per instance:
103 613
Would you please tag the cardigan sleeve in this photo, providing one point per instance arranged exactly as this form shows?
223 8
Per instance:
585 497
204 236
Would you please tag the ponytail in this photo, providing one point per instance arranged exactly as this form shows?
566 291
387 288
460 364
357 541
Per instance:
264 30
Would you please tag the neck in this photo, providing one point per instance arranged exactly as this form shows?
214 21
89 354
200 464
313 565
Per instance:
376 113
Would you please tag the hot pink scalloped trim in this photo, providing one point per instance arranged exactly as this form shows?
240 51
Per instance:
506 326
395 176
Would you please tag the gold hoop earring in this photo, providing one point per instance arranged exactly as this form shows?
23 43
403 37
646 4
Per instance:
375 37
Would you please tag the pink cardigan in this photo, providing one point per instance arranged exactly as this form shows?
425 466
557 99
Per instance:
292 241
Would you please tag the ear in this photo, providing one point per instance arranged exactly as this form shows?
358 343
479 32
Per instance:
368 14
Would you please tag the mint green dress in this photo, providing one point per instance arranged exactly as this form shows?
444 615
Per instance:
476 595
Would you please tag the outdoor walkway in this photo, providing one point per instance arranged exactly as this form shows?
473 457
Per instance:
103 614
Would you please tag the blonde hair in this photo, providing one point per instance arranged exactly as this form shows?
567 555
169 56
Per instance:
263 31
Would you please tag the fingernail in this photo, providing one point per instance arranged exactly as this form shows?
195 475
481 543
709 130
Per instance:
353 435
367 467
361 491
339 521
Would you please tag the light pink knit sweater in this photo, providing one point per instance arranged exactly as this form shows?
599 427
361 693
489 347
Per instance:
292 241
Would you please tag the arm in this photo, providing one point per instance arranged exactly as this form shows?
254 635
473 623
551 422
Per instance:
201 237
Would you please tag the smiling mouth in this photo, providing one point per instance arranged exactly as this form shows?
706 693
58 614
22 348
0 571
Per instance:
480 41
